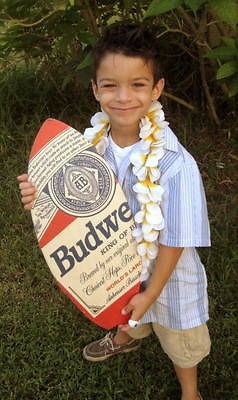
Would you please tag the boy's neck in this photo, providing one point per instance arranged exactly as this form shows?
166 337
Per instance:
124 137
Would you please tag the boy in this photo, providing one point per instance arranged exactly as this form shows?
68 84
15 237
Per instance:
127 80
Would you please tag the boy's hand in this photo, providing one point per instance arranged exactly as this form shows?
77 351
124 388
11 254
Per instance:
28 191
138 305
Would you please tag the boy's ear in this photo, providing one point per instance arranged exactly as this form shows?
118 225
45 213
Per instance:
95 89
157 89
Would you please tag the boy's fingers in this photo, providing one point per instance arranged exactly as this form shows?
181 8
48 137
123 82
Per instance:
22 178
27 199
26 185
127 309
28 191
29 206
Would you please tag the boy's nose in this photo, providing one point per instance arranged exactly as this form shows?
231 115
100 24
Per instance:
123 94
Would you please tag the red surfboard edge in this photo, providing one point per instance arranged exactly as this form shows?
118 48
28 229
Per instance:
50 132
102 319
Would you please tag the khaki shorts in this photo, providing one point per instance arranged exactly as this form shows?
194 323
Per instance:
186 348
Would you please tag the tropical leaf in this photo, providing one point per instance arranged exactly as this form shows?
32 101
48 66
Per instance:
226 10
87 61
86 37
161 6
223 52
194 4
227 69
230 41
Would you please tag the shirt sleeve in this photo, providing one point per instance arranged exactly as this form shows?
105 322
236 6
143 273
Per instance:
185 210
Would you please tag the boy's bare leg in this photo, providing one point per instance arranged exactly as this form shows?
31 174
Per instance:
188 380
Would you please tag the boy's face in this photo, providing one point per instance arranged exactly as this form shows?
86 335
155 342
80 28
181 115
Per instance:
125 89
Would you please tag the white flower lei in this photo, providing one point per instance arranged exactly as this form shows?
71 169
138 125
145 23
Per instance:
145 166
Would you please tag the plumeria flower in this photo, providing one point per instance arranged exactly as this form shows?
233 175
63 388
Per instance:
151 236
137 158
145 121
153 191
147 228
141 249
149 250
156 154
140 172
152 160
159 117
155 106
154 174
145 130
159 127
102 145
153 208
137 234
139 217
152 250
100 118
145 145
93 135
142 198
141 187
158 150
152 218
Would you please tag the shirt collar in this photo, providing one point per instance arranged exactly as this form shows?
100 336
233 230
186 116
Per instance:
171 141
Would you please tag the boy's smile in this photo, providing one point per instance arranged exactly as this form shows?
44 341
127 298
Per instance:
125 89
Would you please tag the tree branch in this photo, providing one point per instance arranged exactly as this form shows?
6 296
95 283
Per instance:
19 22
180 101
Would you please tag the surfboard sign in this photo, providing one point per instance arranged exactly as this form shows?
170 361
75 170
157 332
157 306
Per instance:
83 224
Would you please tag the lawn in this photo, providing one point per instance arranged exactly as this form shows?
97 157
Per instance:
42 333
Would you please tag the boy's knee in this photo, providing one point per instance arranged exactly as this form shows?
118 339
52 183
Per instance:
186 348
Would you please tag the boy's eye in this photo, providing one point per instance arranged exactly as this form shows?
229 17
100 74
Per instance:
108 85
139 84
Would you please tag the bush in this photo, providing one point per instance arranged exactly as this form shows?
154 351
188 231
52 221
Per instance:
198 43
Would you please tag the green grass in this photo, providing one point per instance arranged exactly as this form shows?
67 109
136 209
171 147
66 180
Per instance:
43 334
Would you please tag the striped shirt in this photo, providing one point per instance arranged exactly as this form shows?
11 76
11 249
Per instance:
183 302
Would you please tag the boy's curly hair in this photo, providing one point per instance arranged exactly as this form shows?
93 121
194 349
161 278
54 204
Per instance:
133 40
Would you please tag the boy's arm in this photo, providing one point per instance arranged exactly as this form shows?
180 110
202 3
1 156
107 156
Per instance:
163 268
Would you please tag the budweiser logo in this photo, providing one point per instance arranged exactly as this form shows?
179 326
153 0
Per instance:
66 257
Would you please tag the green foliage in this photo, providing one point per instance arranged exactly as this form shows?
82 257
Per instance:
228 58
194 4
56 37
226 10
227 69
158 7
